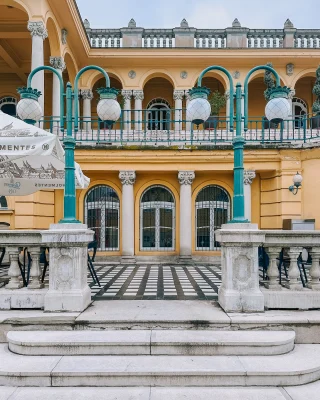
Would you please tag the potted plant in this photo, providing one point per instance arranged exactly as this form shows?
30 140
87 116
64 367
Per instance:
315 120
217 101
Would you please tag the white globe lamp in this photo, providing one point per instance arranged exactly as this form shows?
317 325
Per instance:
278 108
28 108
108 108
199 109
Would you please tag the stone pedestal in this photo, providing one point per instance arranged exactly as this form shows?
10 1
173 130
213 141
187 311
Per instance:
68 287
239 291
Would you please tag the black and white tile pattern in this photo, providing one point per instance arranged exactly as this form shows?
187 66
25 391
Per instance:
156 282
151 282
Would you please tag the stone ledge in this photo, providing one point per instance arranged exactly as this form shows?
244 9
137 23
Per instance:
22 298
304 299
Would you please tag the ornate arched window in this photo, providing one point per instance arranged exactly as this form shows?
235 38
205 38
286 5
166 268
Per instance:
159 114
3 202
101 214
157 219
299 111
212 210
8 105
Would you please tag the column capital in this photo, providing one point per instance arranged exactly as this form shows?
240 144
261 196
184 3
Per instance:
127 177
138 94
58 63
248 176
291 94
126 94
87 94
37 28
227 94
186 177
178 94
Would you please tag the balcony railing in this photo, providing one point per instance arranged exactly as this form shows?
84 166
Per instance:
173 129
185 36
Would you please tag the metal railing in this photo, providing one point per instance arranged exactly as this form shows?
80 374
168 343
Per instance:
170 128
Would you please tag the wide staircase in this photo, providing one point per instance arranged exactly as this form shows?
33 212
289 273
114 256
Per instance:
148 358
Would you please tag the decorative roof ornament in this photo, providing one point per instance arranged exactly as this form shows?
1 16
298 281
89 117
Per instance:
86 23
288 24
184 23
132 23
236 23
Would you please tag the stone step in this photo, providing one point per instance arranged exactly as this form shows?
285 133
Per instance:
300 366
151 342
156 393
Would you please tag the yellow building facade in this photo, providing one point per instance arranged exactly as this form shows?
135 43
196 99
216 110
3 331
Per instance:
137 202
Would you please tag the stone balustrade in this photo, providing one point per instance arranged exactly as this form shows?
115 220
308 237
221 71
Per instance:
240 290
235 36
68 289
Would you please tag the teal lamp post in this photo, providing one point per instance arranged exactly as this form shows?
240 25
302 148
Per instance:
29 110
277 109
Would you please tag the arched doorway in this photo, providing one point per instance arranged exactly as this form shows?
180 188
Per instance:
212 210
157 219
101 214
8 105
158 112
299 111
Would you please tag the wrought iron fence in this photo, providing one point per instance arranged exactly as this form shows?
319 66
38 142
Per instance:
171 128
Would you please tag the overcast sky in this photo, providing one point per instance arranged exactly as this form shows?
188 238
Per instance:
200 13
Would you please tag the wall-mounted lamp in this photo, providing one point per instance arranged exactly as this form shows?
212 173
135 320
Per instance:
297 179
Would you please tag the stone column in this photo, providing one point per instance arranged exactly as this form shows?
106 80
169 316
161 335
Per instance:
38 33
58 64
127 94
185 179
248 176
127 179
188 124
273 270
35 272
239 291
87 96
138 115
178 96
14 270
314 283
294 281
289 126
68 260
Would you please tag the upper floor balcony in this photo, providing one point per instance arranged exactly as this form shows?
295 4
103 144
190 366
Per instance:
184 36
171 129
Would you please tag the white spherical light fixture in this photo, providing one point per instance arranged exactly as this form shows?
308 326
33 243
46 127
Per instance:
199 109
108 108
278 108
28 108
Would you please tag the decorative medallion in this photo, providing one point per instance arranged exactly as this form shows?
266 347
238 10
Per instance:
183 74
236 74
290 69
132 74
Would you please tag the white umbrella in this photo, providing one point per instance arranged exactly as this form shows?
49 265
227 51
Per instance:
31 159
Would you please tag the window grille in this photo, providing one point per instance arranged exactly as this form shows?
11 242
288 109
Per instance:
212 210
157 220
102 207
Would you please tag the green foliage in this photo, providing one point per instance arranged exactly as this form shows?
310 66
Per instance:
316 91
120 99
269 81
217 101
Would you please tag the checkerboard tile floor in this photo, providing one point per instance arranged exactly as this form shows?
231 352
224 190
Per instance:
155 282
151 282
